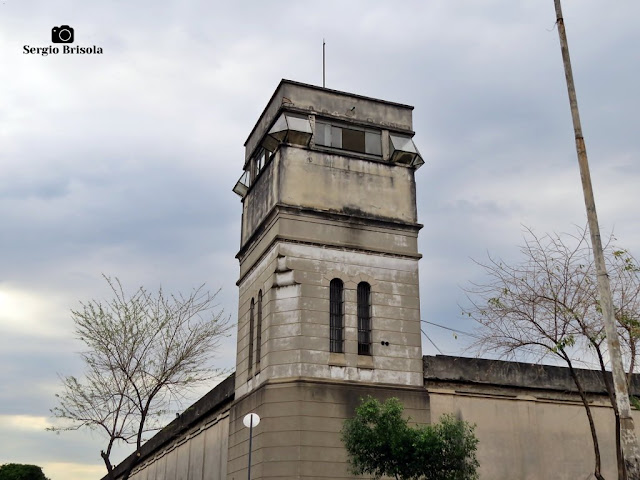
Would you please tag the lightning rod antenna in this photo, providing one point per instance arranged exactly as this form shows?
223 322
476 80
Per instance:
323 84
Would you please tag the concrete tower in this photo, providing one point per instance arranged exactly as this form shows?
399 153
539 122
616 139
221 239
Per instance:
329 306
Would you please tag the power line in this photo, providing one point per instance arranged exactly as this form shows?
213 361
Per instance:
451 329
531 351
432 343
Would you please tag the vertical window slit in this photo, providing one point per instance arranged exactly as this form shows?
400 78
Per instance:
336 316
364 318
259 332
249 369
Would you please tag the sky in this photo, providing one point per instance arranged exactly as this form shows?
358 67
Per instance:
122 163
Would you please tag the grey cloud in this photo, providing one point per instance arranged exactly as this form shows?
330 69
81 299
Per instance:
123 163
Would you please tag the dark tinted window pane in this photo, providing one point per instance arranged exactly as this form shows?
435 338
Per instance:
336 315
364 319
353 140
259 332
250 338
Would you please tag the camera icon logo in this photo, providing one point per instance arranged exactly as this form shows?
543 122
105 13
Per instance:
62 34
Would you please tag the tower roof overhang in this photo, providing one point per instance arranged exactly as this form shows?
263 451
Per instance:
299 97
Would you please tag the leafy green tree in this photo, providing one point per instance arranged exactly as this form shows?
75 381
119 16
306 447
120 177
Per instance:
19 471
379 441
447 451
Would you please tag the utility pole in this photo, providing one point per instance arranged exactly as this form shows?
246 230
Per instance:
628 438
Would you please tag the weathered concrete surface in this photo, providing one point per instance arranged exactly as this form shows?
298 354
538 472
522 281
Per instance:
314 214
264 196
299 432
478 371
193 446
294 279
331 199
352 186
326 179
530 421
340 105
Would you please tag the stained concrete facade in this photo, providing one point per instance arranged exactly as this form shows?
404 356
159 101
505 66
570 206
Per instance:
298 436
530 423
529 418
192 447
294 279
312 212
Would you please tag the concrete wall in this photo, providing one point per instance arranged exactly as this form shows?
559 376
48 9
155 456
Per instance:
299 432
315 214
340 105
264 194
342 184
261 277
530 421
329 179
526 436
193 446
294 279
352 189
199 454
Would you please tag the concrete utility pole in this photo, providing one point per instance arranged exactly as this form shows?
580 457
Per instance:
628 437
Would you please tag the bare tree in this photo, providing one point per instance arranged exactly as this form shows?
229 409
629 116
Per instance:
144 351
547 304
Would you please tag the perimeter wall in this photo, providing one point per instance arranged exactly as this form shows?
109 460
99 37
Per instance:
530 423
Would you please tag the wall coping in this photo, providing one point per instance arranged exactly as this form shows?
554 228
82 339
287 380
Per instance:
500 373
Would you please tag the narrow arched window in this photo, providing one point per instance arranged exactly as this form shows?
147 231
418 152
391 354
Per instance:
336 316
251 308
259 332
364 318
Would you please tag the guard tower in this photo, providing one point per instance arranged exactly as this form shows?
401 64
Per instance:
329 308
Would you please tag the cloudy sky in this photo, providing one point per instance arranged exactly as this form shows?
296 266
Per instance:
123 163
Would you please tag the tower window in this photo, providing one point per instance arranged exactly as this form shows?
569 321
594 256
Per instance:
260 160
364 319
249 369
404 151
350 138
336 316
289 127
259 332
